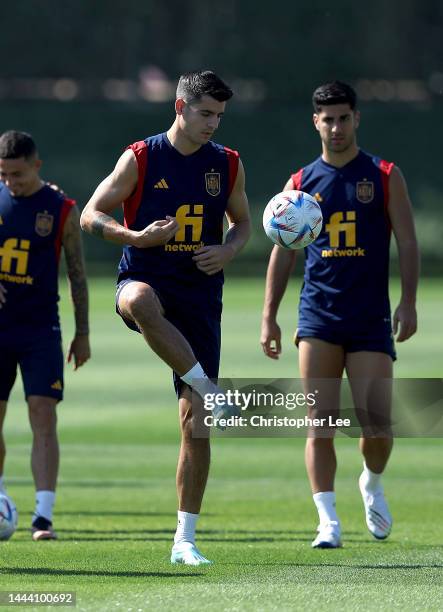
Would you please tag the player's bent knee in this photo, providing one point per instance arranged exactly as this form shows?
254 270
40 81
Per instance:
141 303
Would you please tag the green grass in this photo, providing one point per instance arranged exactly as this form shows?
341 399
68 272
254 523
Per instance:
116 501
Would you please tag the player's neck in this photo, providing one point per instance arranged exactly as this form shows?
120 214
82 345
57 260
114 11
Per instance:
340 159
36 186
180 141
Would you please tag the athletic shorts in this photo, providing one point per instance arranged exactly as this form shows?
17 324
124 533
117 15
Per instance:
376 337
200 328
40 357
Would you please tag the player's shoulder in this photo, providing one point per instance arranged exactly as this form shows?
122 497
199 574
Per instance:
220 149
54 196
156 141
306 172
150 142
379 162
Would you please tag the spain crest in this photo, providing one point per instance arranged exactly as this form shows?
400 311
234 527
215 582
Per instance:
212 180
44 223
365 191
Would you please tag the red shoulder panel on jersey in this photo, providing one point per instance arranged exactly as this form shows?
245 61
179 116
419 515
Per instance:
67 206
233 158
296 179
386 169
131 204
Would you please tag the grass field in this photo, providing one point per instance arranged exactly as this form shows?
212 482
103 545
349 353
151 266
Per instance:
116 504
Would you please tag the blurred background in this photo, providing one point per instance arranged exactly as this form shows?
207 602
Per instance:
87 78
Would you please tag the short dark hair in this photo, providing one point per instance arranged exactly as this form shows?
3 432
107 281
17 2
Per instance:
194 85
14 145
335 92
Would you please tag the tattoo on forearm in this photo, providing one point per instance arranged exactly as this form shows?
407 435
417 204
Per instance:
98 224
79 295
76 274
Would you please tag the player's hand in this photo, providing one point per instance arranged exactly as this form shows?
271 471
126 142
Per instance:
404 321
156 233
3 293
79 350
212 259
271 338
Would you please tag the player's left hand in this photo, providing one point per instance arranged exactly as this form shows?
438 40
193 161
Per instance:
79 350
404 321
212 259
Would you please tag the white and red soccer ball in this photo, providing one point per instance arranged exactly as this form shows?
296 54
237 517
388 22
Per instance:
292 219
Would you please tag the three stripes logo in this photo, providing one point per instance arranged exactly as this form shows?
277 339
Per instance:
57 385
162 184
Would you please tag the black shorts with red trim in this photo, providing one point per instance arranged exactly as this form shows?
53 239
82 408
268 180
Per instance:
201 328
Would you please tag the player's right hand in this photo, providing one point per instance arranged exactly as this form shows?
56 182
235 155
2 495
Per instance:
156 233
271 338
3 293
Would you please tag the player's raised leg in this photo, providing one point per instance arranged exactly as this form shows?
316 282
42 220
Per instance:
192 474
370 375
138 302
321 366
44 463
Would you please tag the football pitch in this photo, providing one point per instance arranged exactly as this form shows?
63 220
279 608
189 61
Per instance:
116 506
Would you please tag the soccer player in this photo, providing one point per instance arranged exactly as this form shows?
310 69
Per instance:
36 221
344 319
176 188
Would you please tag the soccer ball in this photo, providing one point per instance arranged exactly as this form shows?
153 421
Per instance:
292 219
8 517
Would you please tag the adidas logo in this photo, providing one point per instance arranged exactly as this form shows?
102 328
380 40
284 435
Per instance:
1 220
161 184
57 385
318 197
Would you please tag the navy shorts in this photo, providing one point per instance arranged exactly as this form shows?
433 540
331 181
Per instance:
375 337
201 329
39 354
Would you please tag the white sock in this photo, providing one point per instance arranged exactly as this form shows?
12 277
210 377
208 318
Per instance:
186 522
325 503
372 479
44 503
197 379
2 485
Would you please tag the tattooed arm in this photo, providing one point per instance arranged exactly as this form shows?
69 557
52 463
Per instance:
72 244
110 194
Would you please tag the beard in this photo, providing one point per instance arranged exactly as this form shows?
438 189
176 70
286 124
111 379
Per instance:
339 147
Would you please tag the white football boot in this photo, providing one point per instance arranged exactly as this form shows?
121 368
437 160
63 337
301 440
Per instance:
188 554
378 517
328 536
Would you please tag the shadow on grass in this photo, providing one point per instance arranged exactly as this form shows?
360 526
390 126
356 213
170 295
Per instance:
240 536
354 566
94 484
169 539
47 571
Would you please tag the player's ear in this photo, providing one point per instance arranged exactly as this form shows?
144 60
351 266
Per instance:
38 164
356 118
315 120
179 106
